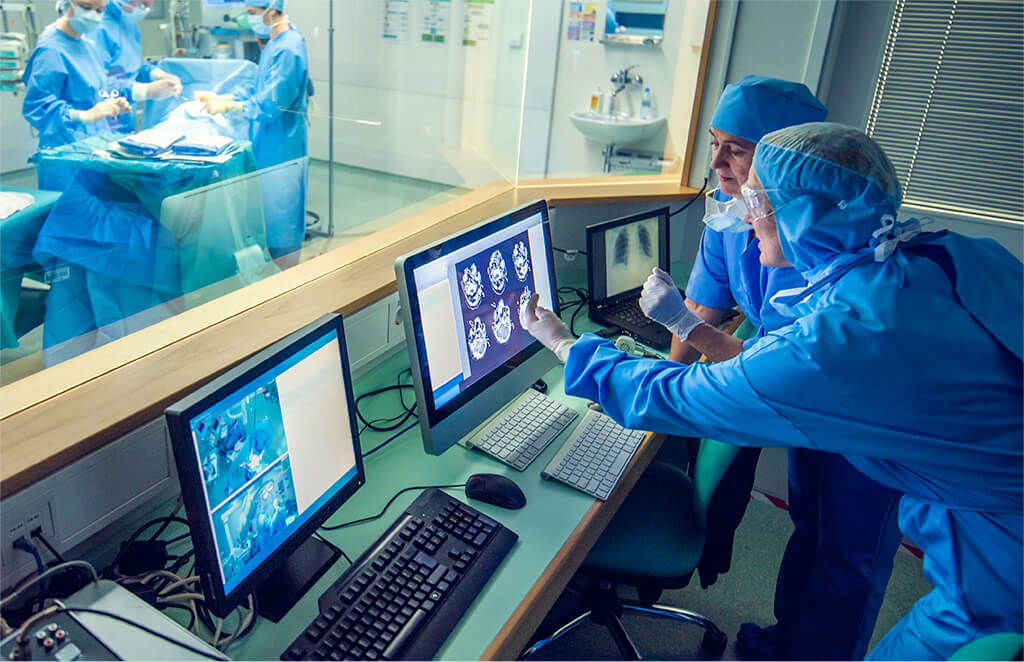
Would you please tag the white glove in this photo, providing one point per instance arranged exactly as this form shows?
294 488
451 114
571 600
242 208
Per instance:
214 105
546 327
661 301
168 86
108 108
205 95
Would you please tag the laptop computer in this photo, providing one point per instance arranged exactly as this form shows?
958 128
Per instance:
621 255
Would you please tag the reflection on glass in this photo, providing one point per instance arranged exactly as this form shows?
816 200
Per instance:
158 155
639 22
164 151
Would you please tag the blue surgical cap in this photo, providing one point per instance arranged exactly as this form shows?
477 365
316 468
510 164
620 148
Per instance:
269 4
757 105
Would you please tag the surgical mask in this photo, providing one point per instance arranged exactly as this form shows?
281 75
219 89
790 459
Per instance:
260 29
85 20
134 13
724 216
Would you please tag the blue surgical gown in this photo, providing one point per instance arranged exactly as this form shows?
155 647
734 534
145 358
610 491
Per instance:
888 368
61 75
828 595
119 41
277 110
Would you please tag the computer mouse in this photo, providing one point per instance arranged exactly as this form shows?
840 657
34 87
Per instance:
495 490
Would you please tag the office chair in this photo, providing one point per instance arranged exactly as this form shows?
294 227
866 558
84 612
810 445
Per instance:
1002 646
653 543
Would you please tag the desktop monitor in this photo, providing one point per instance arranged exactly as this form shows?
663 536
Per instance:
265 453
462 303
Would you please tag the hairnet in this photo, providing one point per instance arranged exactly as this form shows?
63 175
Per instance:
830 186
757 105
844 146
269 4
62 6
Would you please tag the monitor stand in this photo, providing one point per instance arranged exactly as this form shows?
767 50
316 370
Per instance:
279 592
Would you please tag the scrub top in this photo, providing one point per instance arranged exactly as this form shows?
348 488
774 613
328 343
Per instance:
119 41
65 74
728 272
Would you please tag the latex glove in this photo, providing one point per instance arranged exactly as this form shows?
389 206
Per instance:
215 106
206 95
661 301
168 86
546 327
108 108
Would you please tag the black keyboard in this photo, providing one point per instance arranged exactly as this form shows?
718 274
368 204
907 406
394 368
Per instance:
404 595
628 315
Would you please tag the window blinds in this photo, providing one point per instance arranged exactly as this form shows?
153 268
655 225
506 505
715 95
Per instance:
949 106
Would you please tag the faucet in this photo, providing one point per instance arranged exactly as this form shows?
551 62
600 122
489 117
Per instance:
622 78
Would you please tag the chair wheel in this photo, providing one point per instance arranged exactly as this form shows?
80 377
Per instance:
712 645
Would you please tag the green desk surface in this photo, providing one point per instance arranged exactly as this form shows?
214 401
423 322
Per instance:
538 564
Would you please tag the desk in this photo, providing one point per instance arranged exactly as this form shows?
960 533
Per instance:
556 528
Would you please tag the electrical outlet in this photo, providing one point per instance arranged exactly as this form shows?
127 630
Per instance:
19 521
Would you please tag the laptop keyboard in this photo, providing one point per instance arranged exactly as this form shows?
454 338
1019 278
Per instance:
631 318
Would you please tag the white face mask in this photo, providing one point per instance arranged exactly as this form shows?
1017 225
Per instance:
134 13
85 20
725 216
259 28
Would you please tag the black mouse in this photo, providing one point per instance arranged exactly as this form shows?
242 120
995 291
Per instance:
495 490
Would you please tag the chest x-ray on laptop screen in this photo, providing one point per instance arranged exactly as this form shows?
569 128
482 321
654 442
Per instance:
462 303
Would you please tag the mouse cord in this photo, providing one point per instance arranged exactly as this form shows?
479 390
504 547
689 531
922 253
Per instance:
335 527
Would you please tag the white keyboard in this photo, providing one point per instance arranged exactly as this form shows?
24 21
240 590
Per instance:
593 457
524 429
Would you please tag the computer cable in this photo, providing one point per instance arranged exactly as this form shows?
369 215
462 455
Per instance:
28 547
60 567
390 439
333 546
113 570
695 198
400 492
582 299
38 535
25 636
569 253
177 507
390 424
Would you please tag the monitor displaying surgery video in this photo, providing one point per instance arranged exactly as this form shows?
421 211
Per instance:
469 300
270 455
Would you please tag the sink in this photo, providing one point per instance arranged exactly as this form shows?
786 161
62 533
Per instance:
614 128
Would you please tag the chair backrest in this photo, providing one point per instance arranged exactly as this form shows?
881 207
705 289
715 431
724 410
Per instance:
1001 646
713 460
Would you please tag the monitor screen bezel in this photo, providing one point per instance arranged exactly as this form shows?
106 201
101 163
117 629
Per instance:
438 250
178 418
599 290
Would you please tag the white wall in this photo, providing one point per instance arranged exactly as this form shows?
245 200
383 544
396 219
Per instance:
583 66
444 112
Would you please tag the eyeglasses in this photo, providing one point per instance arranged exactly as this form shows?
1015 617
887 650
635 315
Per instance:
757 201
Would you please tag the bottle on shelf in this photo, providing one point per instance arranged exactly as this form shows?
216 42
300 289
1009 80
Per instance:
645 105
595 100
